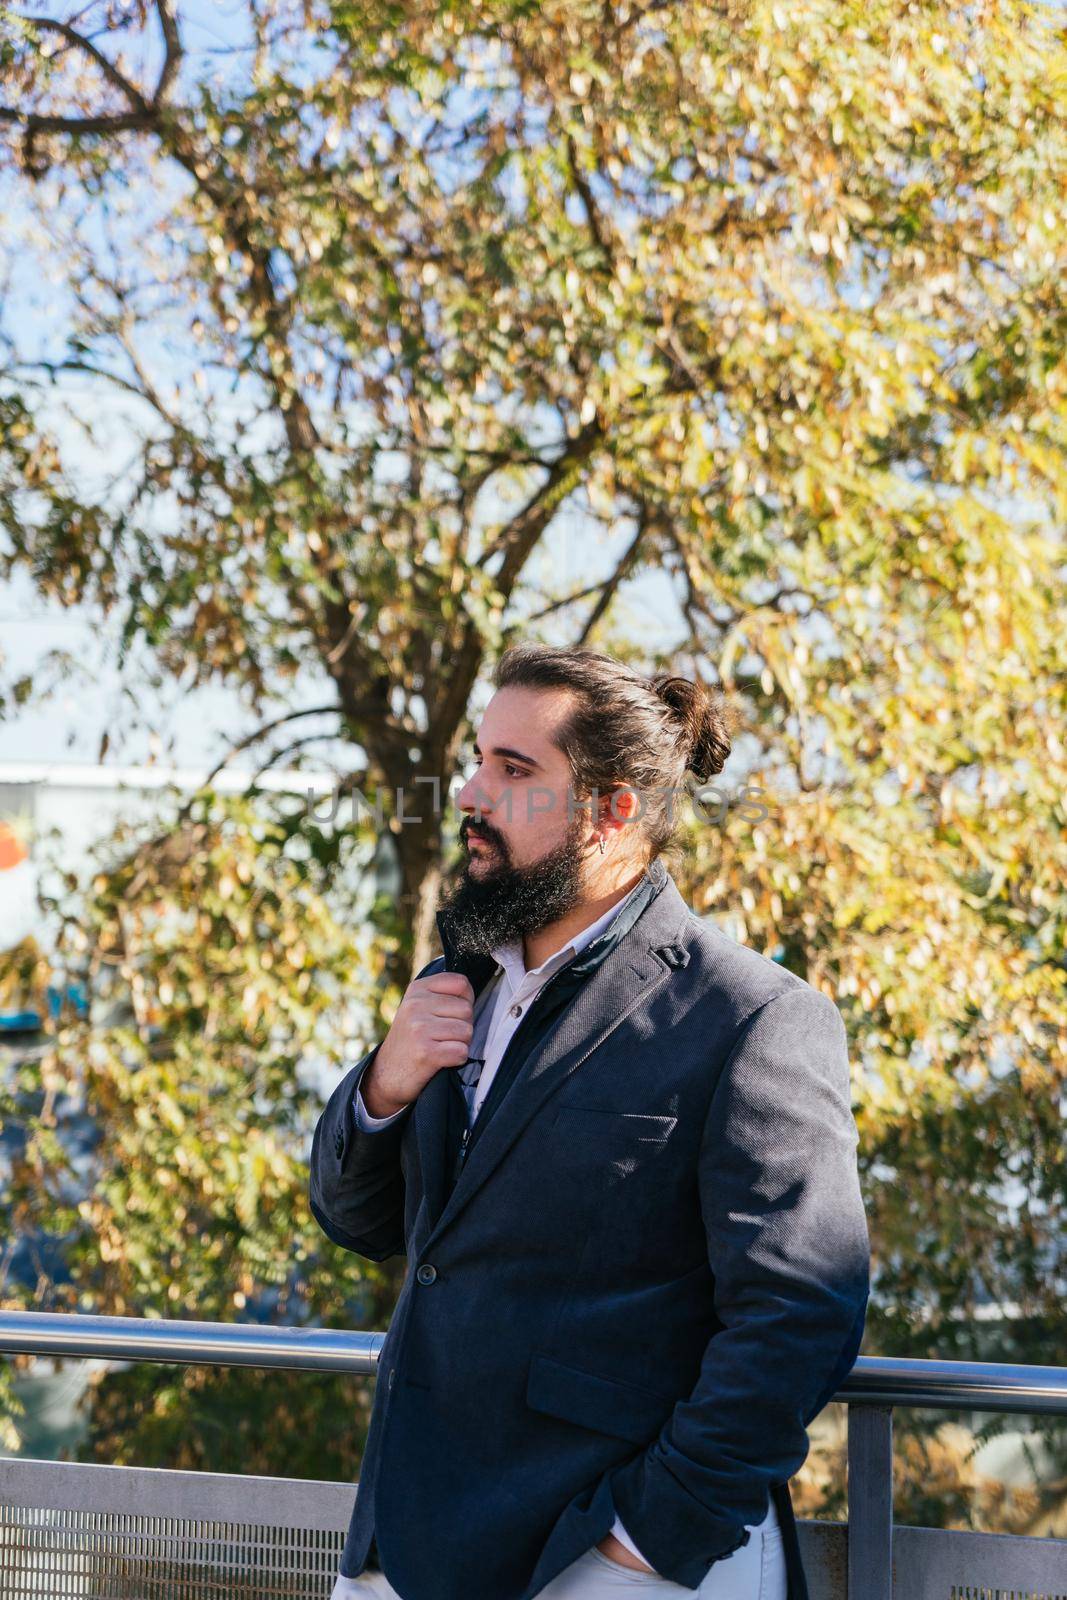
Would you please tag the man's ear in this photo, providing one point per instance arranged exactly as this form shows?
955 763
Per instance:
619 808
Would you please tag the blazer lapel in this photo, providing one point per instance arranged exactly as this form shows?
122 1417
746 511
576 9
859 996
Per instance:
432 1104
625 979
431 1121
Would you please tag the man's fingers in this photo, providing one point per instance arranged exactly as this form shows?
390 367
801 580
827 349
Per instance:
447 1005
451 1028
455 1054
448 983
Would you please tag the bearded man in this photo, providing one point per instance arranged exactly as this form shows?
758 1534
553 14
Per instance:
618 1149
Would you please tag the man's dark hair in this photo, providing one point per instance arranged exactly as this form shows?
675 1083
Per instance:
628 729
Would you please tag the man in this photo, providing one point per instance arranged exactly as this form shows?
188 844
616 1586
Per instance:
618 1150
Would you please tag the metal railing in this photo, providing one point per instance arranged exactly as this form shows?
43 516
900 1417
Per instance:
130 1533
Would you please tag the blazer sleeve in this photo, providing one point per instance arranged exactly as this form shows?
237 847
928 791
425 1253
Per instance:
356 1181
788 1246
356 1185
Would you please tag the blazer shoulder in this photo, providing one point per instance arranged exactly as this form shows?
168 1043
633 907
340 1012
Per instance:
738 974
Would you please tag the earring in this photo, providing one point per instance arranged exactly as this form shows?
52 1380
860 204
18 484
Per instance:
601 844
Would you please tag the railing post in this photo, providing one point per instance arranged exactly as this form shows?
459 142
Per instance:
870 1502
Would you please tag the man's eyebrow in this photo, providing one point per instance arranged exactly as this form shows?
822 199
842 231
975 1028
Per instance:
512 755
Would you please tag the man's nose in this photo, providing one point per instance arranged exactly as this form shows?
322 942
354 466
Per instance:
473 796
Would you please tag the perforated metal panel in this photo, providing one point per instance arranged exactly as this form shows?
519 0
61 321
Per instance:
70 1530
177 1536
938 1564
998 1594
101 1557
824 1552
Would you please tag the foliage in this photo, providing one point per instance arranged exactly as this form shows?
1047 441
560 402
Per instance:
220 971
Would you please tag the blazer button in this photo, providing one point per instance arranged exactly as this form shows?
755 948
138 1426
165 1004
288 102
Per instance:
426 1273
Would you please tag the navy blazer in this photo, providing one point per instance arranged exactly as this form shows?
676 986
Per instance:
649 1275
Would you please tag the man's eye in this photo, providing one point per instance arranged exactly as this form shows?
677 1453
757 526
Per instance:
512 772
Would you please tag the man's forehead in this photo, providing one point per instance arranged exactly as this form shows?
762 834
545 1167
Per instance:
525 724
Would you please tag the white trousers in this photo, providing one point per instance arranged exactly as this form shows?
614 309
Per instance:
755 1572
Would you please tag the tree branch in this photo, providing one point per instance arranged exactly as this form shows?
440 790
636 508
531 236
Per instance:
34 122
261 733
141 106
523 531
567 600
168 23
286 750
78 41
610 588
585 192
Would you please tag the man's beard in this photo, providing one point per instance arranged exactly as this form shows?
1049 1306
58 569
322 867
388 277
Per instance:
506 903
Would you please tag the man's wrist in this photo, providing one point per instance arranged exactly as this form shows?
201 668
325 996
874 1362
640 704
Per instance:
377 1103
368 1124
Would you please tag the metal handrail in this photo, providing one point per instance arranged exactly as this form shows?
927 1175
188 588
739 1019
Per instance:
874 1380
214 1344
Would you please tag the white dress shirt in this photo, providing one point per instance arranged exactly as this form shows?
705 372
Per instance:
500 1008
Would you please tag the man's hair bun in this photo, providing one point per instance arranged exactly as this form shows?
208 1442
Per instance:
705 721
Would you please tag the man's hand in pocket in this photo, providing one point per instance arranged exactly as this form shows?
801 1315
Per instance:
616 1551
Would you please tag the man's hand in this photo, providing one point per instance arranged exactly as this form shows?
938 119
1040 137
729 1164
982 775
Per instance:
615 1550
432 1029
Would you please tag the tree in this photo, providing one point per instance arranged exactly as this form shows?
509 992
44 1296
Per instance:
219 961
403 302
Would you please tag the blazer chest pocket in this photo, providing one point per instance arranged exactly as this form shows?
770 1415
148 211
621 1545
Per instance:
577 1127
608 1149
606 1405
